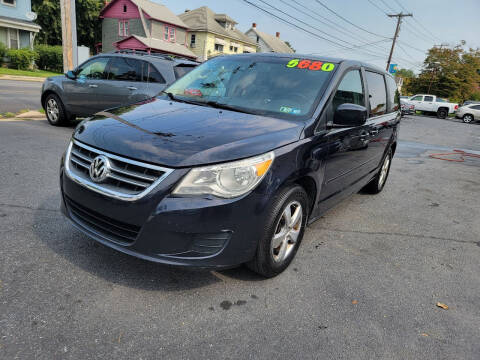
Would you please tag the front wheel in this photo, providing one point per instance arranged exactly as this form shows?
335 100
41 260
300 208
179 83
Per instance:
283 233
467 119
378 182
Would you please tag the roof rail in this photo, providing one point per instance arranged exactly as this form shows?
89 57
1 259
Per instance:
156 54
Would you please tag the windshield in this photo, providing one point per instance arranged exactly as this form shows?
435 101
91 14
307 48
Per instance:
282 87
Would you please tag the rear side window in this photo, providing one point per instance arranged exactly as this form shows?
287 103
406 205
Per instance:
475 107
152 75
181 70
350 90
377 93
428 98
393 94
124 69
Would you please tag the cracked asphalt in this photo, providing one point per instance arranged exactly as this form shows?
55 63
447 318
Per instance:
364 284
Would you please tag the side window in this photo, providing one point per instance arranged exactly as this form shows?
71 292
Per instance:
393 94
94 69
418 98
350 90
124 69
376 93
428 98
475 107
181 70
153 75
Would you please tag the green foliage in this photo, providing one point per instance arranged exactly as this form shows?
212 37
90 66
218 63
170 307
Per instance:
450 73
3 52
405 73
21 59
89 26
49 57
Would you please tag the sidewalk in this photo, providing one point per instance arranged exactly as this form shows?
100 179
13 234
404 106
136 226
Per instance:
22 78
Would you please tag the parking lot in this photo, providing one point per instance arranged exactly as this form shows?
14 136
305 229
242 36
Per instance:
363 285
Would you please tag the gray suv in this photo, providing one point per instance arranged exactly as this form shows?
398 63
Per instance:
109 80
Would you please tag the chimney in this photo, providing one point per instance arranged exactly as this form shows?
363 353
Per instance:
254 25
277 34
187 10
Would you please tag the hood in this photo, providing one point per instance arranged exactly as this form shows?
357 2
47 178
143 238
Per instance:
177 134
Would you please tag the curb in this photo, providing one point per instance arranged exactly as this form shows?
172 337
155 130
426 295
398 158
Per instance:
22 78
20 119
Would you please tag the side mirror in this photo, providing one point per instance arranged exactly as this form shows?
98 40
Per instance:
350 115
71 75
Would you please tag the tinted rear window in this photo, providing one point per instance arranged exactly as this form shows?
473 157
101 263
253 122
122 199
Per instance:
377 93
181 70
124 69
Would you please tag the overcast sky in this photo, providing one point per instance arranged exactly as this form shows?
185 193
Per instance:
434 22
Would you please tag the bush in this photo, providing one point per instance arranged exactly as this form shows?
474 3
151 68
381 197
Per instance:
21 59
3 52
49 57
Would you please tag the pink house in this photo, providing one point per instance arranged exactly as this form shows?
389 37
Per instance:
143 25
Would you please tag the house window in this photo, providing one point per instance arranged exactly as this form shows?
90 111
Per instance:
192 40
219 47
234 48
124 8
14 39
123 28
9 2
169 33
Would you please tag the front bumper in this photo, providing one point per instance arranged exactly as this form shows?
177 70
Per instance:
191 232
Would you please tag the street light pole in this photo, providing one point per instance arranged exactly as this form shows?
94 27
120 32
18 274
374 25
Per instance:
69 34
397 30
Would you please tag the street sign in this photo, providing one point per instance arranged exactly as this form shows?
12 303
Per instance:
393 68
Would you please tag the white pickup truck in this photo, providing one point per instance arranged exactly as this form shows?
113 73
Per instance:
432 104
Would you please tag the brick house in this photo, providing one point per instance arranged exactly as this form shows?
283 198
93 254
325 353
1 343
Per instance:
143 25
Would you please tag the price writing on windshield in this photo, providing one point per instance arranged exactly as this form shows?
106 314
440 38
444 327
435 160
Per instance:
310 65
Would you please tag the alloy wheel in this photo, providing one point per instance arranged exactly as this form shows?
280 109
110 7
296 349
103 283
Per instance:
52 110
384 171
467 119
287 231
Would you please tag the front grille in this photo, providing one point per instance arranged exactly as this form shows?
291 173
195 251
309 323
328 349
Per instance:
127 179
113 230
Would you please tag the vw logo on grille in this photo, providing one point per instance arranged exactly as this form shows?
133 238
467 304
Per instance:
99 168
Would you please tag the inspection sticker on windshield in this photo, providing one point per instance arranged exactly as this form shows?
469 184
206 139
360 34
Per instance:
310 65
290 110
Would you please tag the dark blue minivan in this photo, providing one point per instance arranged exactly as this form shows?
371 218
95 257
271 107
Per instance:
233 160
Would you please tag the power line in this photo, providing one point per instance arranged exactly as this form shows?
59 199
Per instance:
348 21
418 22
378 7
399 17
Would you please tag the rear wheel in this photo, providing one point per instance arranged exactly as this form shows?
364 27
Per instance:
55 111
283 232
442 113
378 182
467 118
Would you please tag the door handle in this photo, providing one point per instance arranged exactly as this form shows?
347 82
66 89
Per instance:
374 132
93 86
131 88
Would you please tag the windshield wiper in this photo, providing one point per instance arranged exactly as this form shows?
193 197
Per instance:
218 105
174 98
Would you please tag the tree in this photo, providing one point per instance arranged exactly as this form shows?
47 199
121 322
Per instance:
449 72
290 46
405 73
89 30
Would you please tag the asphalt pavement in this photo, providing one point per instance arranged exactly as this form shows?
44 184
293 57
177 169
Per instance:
19 95
364 284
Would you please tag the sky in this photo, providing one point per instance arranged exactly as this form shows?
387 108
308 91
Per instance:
434 22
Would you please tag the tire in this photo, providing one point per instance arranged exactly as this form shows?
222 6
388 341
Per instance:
280 240
55 111
378 182
442 113
467 118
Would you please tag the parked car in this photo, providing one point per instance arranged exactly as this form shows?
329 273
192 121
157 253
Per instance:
109 80
407 109
468 113
233 161
432 104
468 102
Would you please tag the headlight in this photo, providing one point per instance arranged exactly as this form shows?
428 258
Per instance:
226 180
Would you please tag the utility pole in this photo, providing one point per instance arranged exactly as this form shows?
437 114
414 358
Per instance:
397 30
69 34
